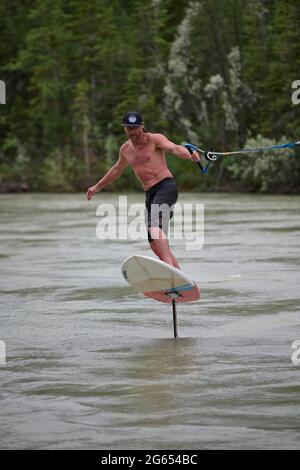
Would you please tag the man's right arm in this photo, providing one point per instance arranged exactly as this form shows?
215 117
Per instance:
113 174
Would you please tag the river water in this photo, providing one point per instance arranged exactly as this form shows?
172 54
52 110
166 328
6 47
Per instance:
90 364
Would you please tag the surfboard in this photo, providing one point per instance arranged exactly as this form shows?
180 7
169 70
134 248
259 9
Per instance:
159 280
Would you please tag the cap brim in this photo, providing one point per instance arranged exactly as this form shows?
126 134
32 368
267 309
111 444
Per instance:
132 125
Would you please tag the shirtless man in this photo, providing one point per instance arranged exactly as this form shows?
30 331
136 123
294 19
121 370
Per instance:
145 153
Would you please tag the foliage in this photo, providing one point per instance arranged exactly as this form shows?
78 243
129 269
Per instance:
214 72
268 171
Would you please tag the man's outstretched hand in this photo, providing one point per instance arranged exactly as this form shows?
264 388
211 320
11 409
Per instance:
90 192
195 157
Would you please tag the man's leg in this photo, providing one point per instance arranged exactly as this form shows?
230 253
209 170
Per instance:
159 211
160 246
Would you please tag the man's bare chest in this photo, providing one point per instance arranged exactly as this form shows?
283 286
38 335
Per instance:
142 155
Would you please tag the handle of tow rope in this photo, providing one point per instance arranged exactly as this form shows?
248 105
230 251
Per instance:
211 156
191 148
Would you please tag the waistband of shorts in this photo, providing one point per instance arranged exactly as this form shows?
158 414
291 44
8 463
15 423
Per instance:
160 182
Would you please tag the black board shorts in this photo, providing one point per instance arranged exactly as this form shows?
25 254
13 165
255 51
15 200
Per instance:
160 200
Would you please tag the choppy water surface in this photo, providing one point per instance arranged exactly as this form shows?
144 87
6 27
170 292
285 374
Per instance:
91 364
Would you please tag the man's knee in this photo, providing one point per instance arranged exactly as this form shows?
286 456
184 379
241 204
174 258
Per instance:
156 233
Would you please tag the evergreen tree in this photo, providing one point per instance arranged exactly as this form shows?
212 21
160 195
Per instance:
215 72
284 67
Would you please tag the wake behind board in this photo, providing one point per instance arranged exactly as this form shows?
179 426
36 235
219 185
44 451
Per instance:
159 280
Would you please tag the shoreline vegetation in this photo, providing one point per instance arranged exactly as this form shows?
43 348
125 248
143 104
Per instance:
216 73
23 188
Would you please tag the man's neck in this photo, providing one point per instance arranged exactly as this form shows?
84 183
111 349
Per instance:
136 141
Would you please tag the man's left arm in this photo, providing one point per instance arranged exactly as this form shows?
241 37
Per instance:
178 150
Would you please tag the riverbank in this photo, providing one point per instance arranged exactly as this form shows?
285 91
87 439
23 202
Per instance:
6 188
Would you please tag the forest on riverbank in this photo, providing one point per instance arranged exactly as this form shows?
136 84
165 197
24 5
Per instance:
217 73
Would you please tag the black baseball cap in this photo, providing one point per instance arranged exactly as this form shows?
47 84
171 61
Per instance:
132 119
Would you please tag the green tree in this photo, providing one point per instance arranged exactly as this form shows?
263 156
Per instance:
284 67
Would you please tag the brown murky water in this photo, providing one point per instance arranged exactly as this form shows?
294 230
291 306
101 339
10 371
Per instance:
92 365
